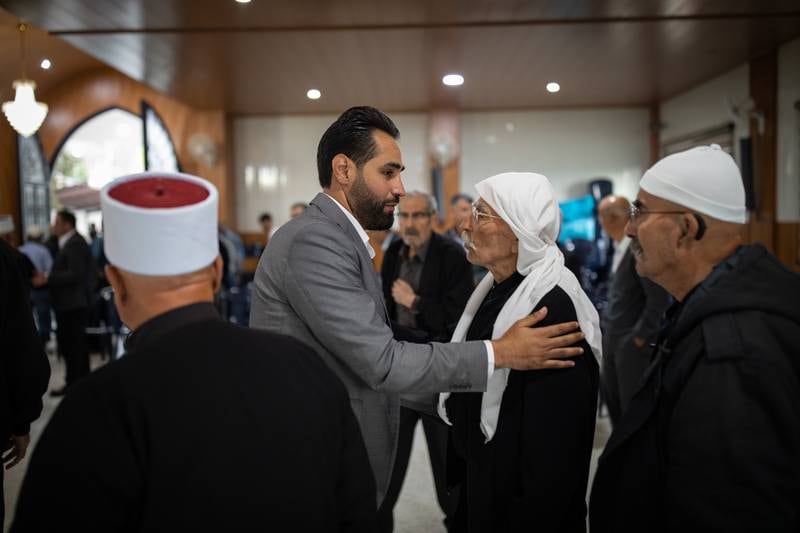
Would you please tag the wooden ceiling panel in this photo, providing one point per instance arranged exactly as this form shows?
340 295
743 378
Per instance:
66 60
262 57
77 15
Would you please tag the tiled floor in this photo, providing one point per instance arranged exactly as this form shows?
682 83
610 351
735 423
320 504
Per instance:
416 510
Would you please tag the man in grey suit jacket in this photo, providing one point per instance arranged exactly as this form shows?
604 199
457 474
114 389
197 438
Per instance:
316 282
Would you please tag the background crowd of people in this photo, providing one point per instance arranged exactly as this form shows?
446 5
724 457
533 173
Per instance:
697 340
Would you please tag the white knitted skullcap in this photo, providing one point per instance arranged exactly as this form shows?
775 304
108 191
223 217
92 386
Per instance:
704 179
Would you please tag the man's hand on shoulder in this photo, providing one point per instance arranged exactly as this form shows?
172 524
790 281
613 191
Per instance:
17 447
524 347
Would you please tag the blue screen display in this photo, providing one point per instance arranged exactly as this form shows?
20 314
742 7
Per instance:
579 221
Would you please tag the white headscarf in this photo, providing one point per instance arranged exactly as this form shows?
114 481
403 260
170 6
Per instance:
525 201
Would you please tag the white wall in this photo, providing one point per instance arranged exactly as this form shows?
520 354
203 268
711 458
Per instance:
275 161
788 186
707 106
571 147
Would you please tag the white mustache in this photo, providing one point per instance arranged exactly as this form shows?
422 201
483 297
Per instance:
636 248
467 240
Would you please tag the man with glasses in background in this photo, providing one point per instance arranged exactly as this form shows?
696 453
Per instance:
427 281
711 439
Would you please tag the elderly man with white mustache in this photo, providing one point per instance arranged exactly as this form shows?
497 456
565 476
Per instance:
520 451
711 438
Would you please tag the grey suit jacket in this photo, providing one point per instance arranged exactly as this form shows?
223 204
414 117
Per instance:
316 282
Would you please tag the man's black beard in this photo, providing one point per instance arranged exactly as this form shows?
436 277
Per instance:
367 209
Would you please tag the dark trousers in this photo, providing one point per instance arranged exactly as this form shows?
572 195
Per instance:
436 437
71 337
40 298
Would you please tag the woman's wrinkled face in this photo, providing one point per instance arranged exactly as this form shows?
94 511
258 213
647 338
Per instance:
487 238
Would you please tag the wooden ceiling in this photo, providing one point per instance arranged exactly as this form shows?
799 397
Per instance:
262 57
67 61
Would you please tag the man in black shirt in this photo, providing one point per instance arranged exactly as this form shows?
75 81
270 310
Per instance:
426 283
202 425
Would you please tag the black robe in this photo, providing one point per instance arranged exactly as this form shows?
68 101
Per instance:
202 426
532 475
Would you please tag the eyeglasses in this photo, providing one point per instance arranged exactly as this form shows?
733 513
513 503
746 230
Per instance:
636 211
477 212
417 216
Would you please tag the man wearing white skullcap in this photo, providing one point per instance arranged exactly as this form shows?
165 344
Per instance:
186 432
711 440
521 450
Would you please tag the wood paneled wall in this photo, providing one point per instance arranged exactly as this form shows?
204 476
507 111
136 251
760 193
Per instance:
783 239
88 93
764 91
9 182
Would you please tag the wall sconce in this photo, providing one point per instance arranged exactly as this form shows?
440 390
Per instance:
24 113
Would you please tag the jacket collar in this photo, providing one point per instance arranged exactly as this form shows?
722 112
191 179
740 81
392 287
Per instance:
336 213
171 320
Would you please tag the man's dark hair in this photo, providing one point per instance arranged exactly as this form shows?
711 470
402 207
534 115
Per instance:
351 135
460 196
265 216
67 216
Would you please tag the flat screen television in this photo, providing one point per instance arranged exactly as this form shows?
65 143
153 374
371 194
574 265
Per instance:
579 221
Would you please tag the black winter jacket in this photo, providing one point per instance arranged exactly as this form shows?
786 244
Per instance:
711 441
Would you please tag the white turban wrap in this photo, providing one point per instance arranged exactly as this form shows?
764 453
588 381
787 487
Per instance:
526 202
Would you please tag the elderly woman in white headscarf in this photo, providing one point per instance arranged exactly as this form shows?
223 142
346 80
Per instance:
520 451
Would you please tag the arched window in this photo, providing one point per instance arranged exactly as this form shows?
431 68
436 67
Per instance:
104 146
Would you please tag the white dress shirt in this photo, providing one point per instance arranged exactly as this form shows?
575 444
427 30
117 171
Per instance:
364 237
64 238
619 252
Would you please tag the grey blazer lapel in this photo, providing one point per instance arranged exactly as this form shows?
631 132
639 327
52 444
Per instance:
334 213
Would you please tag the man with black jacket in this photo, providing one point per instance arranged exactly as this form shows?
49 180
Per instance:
202 425
71 284
24 370
711 440
632 318
427 281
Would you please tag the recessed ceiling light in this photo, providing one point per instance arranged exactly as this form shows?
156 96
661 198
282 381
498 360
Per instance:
242 1
45 64
553 87
453 80
313 94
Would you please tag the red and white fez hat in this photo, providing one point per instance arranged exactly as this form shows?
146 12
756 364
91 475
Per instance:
160 223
